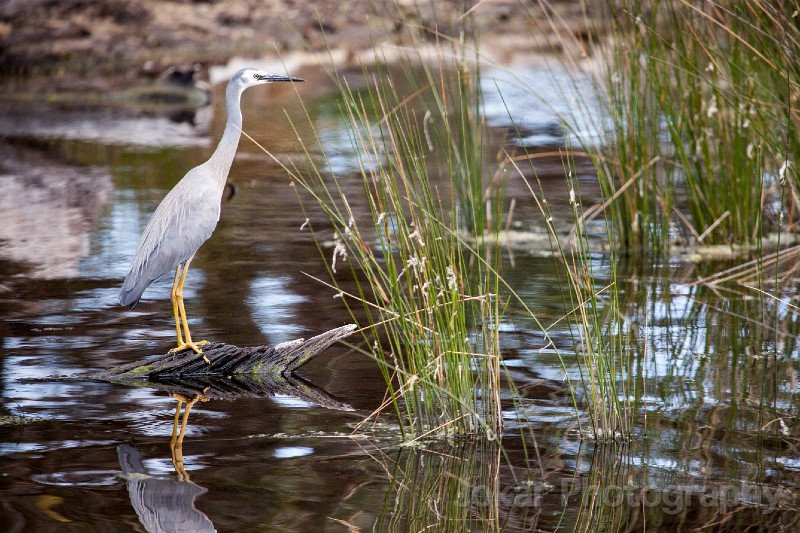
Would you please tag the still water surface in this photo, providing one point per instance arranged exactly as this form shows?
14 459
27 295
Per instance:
716 444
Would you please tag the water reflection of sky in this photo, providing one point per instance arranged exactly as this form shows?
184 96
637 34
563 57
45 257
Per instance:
290 401
344 153
116 238
539 100
275 308
691 349
287 452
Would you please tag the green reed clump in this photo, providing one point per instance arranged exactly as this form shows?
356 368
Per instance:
426 300
605 391
597 329
628 169
703 102
453 124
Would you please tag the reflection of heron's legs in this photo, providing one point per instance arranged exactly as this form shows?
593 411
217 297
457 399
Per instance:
180 399
176 445
176 442
177 288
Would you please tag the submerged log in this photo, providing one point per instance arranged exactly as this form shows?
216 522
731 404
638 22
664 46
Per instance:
233 372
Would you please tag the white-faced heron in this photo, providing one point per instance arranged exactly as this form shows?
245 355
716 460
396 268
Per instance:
188 214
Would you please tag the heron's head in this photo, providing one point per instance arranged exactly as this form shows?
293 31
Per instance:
247 77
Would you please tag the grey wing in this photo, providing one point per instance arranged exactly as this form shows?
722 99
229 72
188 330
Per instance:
182 222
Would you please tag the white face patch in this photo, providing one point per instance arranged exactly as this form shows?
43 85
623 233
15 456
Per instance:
248 77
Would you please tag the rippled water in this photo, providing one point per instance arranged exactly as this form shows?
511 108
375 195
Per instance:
716 442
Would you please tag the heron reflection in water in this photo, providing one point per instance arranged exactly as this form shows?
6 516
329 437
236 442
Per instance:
188 214
165 504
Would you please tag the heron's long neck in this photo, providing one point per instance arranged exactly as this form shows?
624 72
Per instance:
222 158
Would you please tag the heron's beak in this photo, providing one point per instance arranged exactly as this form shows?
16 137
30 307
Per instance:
273 77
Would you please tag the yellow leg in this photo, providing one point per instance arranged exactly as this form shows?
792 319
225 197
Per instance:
180 314
182 309
174 299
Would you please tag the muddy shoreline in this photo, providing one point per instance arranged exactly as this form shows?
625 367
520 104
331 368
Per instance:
49 46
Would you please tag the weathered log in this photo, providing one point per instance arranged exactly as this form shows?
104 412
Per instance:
228 360
233 372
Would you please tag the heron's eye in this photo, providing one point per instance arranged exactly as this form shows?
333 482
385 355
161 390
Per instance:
255 75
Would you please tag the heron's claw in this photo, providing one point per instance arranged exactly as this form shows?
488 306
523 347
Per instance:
194 346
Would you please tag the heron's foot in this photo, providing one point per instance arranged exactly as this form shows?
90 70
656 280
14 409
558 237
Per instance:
194 346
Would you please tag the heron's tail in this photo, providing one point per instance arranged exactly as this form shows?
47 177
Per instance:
129 296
